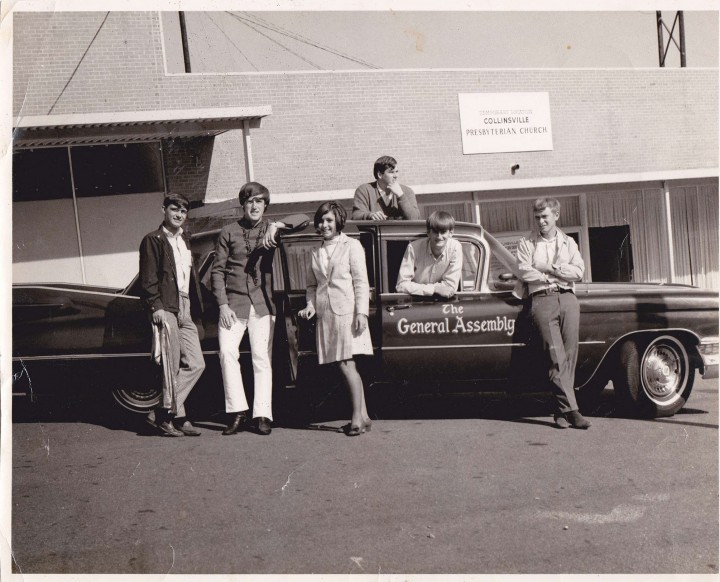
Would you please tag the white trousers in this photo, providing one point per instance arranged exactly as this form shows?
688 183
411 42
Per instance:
260 328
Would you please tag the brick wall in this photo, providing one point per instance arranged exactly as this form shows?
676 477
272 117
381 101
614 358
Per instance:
327 128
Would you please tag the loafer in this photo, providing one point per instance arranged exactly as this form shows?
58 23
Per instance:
237 424
561 421
168 429
263 425
188 429
577 420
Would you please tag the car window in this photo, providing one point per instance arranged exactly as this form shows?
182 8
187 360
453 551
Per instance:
298 254
503 270
471 261
204 271
470 281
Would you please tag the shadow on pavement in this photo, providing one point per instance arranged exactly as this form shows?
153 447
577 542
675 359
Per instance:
329 405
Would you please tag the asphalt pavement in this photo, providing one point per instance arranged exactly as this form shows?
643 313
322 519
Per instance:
453 484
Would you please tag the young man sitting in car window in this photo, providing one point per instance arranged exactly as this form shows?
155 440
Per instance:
432 265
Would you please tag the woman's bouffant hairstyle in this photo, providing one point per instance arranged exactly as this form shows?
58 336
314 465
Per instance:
252 189
440 221
339 212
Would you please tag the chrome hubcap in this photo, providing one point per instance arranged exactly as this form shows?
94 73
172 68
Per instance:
664 372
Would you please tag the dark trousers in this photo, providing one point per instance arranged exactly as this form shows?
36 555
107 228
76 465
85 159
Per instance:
557 318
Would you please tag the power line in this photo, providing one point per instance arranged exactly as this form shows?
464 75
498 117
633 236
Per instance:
281 45
296 36
231 41
256 20
79 63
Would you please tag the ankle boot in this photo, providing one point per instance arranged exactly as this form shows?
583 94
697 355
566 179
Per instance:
237 424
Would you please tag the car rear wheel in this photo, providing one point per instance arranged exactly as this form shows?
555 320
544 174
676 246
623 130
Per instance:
140 400
655 377
138 388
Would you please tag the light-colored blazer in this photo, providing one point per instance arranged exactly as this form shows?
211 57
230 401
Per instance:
345 289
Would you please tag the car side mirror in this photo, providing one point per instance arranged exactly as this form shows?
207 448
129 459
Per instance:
506 277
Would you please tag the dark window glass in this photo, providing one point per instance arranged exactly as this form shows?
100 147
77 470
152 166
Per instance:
395 253
117 169
41 174
611 254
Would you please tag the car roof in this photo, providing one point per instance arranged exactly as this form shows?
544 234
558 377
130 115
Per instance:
205 240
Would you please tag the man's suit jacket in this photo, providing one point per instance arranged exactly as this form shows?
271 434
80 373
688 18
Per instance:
344 290
158 275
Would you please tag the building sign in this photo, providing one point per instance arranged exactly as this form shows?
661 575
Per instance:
505 122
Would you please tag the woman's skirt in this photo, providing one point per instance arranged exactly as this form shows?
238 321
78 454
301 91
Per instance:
336 340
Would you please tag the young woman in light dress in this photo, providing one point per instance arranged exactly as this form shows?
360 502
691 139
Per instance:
338 291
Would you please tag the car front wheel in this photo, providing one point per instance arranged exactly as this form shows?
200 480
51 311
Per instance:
655 376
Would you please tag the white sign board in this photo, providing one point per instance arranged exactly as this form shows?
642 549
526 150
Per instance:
505 122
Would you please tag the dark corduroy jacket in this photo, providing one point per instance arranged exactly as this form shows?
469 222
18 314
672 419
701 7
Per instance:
158 275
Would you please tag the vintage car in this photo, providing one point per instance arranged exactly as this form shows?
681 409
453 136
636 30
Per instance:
649 339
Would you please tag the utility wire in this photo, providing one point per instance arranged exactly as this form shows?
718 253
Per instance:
300 38
246 23
296 36
79 63
256 20
209 15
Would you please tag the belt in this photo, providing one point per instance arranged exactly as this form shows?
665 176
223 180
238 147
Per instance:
550 291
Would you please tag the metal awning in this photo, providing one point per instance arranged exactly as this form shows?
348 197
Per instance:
135 126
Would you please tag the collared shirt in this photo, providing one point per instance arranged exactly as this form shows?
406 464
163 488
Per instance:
386 196
535 251
183 259
421 270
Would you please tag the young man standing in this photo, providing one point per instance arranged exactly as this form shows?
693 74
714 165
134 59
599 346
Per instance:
170 290
242 282
550 263
432 265
386 198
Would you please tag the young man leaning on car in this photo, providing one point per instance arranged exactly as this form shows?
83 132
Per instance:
170 290
550 263
432 265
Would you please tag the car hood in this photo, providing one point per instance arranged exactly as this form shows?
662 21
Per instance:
644 296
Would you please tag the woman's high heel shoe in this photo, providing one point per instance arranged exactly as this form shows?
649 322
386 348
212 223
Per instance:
353 430
367 426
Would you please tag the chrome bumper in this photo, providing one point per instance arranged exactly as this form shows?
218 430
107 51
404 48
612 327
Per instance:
708 350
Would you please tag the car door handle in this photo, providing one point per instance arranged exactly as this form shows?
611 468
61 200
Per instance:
392 308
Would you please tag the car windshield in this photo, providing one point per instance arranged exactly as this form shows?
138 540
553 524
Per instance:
503 269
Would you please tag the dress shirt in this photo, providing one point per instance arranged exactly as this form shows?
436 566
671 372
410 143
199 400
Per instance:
387 196
183 259
421 270
561 251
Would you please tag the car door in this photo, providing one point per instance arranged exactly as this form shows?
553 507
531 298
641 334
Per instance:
301 333
476 335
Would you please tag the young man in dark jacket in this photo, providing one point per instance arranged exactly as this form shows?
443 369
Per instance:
170 290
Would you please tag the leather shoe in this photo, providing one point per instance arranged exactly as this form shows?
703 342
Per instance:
188 429
577 420
263 425
561 421
168 429
237 424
